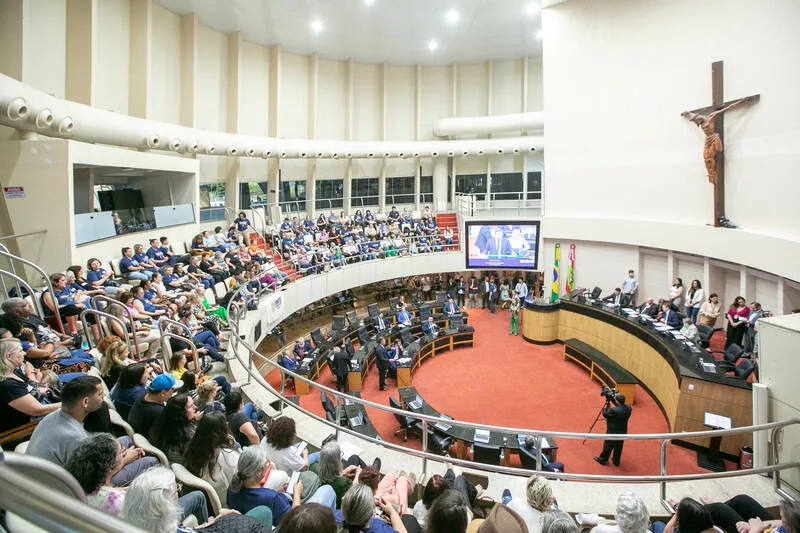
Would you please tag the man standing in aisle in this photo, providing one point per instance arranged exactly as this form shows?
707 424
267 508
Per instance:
484 290
341 367
521 288
616 424
630 286
382 362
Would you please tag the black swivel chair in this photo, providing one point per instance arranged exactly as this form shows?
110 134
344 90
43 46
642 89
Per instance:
424 313
704 334
352 318
337 323
408 424
441 297
439 444
393 304
744 369
485 453
457 323
330 411
731 355
363 336
373 311
406 336
596 292
318 338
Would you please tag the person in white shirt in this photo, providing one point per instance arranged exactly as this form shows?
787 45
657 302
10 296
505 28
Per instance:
521 289
538 499
689 330
630 286
694 300
277 445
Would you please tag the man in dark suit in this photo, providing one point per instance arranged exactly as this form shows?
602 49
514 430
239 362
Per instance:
617 298
451 308
649 308
616 424
498 246
483 289
341 366
302 348
430 328
670 317
381 325
382 362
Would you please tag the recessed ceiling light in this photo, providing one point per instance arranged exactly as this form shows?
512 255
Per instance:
538 35
452 17
433 45
532 8
317 26
369 2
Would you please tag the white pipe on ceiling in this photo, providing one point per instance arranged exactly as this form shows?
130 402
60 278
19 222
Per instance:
28 109
455 126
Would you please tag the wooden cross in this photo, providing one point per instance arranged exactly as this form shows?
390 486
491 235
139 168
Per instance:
711 120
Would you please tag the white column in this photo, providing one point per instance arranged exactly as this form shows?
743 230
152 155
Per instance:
81 45
440 183
189 29
140 58
273 174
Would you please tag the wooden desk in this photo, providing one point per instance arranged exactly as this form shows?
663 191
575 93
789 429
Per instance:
663 366
601 368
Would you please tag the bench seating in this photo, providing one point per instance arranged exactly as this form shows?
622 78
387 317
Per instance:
601 367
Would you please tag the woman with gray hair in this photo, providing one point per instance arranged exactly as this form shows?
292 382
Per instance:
631 516
330 472
358 512
246 491
17 403
558 521
538 499
93 464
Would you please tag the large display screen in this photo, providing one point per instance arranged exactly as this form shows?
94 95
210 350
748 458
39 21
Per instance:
513 245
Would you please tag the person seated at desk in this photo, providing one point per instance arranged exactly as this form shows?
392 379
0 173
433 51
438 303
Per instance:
302 349
288 362
617 298
396 352
668 316
451 308
430 328
381 324
403 318
547 464
649 308
689 330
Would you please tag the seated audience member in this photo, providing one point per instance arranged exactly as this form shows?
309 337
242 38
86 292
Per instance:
147 408
649 308
741 513
710 311
500 518
174 427
157 257
309 518
212 454
93 463
558 521
130 268
245 491
18 401
668 316
277 444
450 308
617 298
547 464
178 364
60 432
403 317
116 357
61 302
358 513
207 341
331 472
449 513
145 306
433 489
99 278
689 330
147 338
130 387
151 504
538 499
430 328
631 516
288 362
207 400
243 427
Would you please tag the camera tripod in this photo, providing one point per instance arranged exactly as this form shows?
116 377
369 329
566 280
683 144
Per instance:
599 413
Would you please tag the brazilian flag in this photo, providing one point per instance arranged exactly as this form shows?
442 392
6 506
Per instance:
554 293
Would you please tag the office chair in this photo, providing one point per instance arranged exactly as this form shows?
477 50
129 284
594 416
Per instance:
408 424
327 405
704 333
441 297
528 459
337 323
363 336
318 338
745 368
457 323
372 310
731 355
352 318
439 444
393 304
596 292
330 417
485 453
424 313
406 337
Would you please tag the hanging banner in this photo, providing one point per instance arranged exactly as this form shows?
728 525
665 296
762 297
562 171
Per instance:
571 269
554 292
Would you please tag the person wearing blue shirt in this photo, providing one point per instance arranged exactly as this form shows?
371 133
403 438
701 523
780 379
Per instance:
451 308
242 226
130 267
156 255
492 294
422 242
403 317
394 214
140 257
286 225
167 251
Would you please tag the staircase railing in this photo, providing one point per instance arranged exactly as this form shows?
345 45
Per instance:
45 277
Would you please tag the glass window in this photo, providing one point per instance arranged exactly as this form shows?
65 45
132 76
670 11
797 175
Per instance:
507 186
252 194
400 190
363 191
472 183
212 201
329 193
292 196
534 185
426 189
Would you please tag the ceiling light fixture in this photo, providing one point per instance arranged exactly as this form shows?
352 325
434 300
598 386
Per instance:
433 45
369 2
317 26
452 17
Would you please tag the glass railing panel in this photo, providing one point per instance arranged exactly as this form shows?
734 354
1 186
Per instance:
173 215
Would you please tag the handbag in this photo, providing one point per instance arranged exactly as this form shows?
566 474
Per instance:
112 283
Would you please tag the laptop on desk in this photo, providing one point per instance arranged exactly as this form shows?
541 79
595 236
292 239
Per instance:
357 420
417 403
443 426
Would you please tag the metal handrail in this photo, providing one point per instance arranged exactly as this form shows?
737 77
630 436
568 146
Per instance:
107 316
36 303
132 323
310 209
165 322
470 203
11 257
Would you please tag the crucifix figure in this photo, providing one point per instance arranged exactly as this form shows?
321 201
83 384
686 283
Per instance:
711 121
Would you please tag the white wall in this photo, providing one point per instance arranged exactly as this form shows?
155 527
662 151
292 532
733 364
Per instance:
507 87
401 95
294 93
212 81
254 90
596 264
165 68
332 99
113 55
44 54
617 76
367 92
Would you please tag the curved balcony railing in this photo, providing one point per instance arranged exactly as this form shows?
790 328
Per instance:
775 429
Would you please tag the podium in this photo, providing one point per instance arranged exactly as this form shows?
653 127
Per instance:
710 459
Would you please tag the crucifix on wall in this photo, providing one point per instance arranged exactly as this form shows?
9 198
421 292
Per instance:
711 121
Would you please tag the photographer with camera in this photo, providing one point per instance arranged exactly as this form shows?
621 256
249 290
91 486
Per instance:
616 423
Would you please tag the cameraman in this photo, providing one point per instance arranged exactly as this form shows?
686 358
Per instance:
616 423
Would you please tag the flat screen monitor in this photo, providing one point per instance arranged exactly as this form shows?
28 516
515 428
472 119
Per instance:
502 244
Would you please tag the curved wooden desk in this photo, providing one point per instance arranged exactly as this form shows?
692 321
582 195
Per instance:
662 366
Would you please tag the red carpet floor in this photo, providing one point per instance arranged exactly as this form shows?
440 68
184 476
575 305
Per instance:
506 381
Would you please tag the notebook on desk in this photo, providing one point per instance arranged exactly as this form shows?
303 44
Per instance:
357 420
442 426
482 436
417 403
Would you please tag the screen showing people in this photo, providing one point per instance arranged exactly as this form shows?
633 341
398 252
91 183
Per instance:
505 245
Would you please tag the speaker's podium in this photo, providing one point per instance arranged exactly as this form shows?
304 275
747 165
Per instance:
710 459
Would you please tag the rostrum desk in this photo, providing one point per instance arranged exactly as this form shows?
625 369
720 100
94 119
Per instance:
662 365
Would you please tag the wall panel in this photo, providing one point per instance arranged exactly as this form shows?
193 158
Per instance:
473 90
401 91
254 89
294 91
44 59
212 80
368 102
507 87
653 280
113 55
535 87
165 82
436 98
332 100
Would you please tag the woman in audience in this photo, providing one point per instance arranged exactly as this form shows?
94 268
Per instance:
695 297
151 504
277 444
330 472
99 278
245 430
737 322
450 513
61 302
212 453
631 516
689 330
130 386
116 357
93 463
309 518
558 521
174 427
433 489
206 400
358 512
710 311
676 293
17 402
146 337
538 499
178 364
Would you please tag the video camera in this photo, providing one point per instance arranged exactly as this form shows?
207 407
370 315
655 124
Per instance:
609 394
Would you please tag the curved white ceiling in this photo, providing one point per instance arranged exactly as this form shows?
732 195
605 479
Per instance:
374 31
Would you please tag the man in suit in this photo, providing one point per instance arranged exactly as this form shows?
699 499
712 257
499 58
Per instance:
483 289
404 318
380 324
341 366
451 308
382 362
492 294
617 298
498 246
649 308
669 317
302 349
430 328
288 362
617 424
